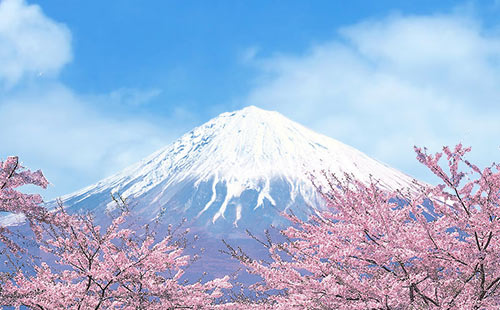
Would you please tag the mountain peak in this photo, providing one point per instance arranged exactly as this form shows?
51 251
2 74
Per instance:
248 117
251 109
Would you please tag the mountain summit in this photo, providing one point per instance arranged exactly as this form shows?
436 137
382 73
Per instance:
240 167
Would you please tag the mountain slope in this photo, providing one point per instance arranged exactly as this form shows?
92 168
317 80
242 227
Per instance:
240 167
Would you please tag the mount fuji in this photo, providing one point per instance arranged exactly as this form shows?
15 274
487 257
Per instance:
238 170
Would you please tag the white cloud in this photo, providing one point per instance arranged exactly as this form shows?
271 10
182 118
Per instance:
386 85
30 43
70 136
53 128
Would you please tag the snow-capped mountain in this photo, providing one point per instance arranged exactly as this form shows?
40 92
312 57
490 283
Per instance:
238 169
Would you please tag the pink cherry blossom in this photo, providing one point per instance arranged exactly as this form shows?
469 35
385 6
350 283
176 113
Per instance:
116 269
374 249
12 176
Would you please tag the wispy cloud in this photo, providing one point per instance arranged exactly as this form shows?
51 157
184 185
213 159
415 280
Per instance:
249 54
30 43
53 127
388 84
132 96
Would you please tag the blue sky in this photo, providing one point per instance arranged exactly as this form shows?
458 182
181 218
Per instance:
89 87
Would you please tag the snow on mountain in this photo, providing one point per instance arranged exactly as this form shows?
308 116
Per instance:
237 171
236 168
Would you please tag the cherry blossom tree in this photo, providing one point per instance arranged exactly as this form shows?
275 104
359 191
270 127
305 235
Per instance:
12 201
83 266
118 268
432 248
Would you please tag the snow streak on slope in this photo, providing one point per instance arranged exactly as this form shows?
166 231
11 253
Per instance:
250 149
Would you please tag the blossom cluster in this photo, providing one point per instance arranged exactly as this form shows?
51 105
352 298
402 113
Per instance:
430 247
